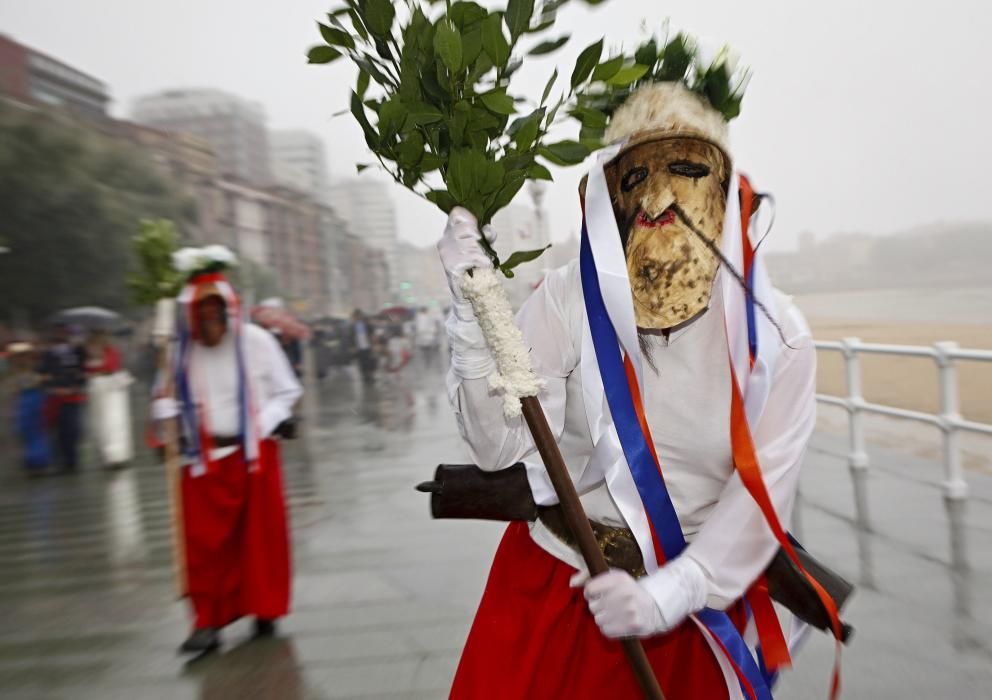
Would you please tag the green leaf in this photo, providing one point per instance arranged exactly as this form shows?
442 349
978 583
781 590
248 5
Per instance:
607 69
422 113
538 172
336 37
546 47
586 62
460 177
363 84
647 53
358 111
411 150
565 152
357 23
520 257
498 101
379 15
322 54
471 46
524 130
430 162
448 45
442 199
494 41
676 59
490 178
628 75
589 117
359 167
368 64
391 117
464 14
518 14
547 88
511 185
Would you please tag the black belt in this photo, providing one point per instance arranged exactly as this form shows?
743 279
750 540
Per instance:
218 441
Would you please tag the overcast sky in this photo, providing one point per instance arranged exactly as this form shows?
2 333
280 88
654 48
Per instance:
861 116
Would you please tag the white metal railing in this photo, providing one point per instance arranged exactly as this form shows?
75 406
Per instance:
948 421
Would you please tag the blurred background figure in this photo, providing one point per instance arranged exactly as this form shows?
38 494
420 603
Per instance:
363 335
63 368
29 407
427 329
109 401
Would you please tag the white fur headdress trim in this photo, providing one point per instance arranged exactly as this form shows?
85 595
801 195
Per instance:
667 108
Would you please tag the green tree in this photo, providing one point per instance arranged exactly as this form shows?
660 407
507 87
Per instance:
71 200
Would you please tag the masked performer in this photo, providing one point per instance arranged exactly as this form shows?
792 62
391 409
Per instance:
233 389
672 371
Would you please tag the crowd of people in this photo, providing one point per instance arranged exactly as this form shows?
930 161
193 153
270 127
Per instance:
73 383
379 345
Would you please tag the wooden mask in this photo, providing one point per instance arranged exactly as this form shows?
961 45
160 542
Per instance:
667 194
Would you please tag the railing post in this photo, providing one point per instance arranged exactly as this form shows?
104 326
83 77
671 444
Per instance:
955 486
858 457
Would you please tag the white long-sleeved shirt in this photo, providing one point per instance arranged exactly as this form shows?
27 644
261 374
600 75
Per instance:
687 405
213 376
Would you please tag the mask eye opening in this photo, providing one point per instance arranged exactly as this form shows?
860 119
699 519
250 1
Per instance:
633 178
687 168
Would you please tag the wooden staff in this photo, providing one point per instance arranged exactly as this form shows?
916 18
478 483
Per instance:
164 325
578 523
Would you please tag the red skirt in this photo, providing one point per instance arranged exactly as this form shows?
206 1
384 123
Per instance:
534 637
237 540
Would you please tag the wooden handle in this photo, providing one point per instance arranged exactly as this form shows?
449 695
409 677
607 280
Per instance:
174 478
578 523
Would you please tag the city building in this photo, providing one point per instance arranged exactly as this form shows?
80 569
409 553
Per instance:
367 207
31 76
296 250
420 277
299 162
368 276
337 264
234 127
519 227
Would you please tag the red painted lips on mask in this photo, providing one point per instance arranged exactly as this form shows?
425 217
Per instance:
663 219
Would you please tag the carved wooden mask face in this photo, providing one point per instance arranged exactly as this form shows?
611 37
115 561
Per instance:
658 189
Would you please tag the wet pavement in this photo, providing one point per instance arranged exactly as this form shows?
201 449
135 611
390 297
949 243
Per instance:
384 595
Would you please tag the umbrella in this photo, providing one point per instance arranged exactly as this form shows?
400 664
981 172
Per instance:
90 317
275 318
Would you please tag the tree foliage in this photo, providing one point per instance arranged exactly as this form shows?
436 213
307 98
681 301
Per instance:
442 119
71 199
155 277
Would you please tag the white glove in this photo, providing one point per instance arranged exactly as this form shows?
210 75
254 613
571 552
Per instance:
625 607
461 251
165 408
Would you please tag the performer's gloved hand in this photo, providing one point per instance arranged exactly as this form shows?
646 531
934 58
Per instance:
626 607
461 251
165 408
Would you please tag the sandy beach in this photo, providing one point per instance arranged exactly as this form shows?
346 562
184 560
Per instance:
907 317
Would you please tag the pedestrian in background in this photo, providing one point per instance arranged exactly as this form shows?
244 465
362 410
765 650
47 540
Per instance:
363 336
29 407
427 331
63 370
109 401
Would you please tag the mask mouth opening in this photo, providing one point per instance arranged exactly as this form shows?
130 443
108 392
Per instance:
663 219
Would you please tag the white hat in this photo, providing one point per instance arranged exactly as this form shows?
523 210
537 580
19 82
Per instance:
664 110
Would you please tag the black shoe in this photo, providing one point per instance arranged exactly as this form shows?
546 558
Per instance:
201 641
265 628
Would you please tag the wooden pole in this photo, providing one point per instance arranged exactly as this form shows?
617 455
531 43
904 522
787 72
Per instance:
163 333
578 523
